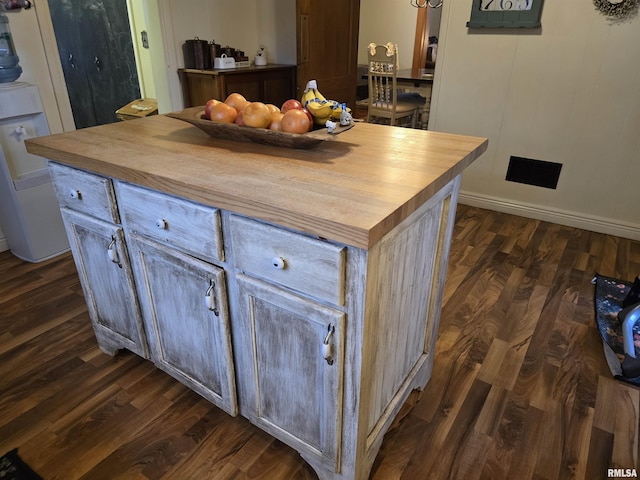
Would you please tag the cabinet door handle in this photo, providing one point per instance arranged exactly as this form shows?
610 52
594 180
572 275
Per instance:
112 253
75 194
303 50
161 223
210 298
327 345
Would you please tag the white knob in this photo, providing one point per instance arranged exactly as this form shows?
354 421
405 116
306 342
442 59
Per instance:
74 194
278 263
161 223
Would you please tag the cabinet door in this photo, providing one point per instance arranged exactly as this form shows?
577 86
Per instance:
97 57
332 61
297 395
267 85
105 273
184 307
199 87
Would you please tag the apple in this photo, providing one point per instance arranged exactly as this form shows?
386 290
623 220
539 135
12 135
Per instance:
309 115
291 104
208 107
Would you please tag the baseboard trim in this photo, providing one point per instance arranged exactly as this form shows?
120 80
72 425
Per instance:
571 219
4 246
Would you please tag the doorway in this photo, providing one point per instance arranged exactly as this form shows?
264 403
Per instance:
97 56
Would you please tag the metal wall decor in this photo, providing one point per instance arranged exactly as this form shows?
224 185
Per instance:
618 10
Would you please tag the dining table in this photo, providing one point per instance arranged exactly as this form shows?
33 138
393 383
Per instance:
417 78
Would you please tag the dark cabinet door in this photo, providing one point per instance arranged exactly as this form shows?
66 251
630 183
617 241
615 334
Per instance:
98 61
327 47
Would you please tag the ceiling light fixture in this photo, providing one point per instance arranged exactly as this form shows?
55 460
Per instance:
425 3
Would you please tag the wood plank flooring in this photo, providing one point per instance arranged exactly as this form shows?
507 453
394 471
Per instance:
520 386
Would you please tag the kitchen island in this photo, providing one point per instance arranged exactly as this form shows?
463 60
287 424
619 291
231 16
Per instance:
298 288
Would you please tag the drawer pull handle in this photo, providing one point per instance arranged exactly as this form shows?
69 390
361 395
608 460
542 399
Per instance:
112 253
278 263
210 299
75 194
161 223
327 345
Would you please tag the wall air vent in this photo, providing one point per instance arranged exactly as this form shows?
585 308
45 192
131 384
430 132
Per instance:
533 172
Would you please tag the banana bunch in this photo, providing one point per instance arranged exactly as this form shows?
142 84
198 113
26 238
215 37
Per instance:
318 106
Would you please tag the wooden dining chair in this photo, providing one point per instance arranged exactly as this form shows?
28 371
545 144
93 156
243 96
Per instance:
383 90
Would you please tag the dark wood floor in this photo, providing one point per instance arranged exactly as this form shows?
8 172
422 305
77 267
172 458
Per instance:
520 387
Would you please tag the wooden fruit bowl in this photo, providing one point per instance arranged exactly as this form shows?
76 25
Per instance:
231 131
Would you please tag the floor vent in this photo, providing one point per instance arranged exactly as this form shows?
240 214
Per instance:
533 172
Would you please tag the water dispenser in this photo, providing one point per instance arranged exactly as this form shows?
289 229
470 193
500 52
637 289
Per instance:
10 70
29 215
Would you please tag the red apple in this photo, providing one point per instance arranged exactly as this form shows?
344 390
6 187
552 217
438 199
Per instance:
291 104
309 115
208 107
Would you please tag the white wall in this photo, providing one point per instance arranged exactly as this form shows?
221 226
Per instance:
277 30
138 22
568 94
382 21
241 24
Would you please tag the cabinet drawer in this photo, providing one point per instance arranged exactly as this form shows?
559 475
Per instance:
84 192
304 264
189 226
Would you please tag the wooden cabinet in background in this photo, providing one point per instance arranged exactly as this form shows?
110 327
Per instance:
269 84
327 47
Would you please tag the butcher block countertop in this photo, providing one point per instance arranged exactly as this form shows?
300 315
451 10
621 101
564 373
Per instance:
353 189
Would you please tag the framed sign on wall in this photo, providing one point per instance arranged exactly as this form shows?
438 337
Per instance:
505 14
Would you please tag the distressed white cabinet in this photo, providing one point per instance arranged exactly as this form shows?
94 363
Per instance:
326 268
294 389
184 304
183 298
279 326
101 257
297 348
